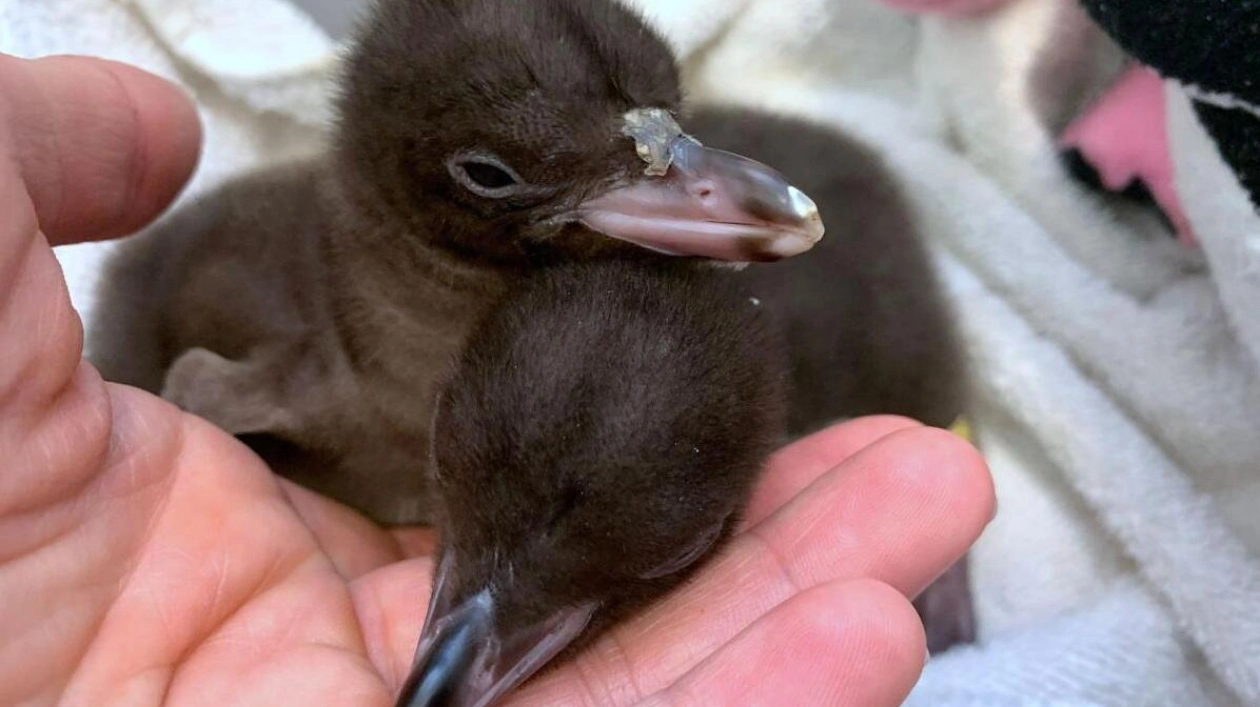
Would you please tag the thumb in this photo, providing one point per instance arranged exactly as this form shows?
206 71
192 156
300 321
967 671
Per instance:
102 147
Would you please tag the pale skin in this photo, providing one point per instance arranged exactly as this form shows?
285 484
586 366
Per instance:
147 558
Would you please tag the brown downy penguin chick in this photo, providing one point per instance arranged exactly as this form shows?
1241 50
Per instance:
311 309
868 328
597 443
559 384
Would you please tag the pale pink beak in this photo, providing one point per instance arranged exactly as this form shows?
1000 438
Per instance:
712 204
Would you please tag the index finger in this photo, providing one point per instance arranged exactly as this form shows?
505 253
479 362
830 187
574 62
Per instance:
799 464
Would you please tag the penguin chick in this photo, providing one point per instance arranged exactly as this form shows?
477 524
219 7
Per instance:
868 328
595 446
310 309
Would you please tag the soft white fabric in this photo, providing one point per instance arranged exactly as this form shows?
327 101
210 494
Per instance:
1117 383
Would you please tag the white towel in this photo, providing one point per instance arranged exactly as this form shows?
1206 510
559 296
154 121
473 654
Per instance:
1117 377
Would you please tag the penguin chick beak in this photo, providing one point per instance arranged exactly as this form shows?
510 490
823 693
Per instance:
464 660
699 201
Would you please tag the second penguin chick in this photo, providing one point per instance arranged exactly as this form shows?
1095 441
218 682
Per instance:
598 442
868 327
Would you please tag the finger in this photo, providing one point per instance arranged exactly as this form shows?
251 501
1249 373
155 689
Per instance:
901 511
80 141
797 465
355 544
857 644
102 147
909 506
416 541
390 604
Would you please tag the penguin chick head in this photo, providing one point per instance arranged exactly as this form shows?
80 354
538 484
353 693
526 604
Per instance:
512 128
595 447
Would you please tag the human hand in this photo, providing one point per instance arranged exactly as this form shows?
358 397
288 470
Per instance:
146 557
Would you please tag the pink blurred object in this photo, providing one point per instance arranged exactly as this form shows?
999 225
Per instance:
943 7
1124 136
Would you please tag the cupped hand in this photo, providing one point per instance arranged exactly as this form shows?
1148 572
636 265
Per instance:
147 558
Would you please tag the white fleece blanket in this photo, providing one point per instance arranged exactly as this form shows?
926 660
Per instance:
1117 383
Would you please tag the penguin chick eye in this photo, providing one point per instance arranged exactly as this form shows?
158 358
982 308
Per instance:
485 175
689 555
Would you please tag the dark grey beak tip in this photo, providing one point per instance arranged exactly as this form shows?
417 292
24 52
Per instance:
464 660
411 694
449 651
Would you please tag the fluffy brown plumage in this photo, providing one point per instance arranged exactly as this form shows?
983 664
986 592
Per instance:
607 418
596 445
312 308
869 330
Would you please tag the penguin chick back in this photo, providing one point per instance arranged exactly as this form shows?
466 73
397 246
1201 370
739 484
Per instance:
868 325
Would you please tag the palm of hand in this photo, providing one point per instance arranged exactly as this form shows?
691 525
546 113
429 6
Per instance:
147 558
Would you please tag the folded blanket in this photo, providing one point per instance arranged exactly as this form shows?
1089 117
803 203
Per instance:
1117 375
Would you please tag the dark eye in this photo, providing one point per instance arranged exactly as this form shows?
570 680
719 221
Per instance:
485 175
488 175
689 554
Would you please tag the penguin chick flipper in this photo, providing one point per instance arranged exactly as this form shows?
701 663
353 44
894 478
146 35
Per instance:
240 397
